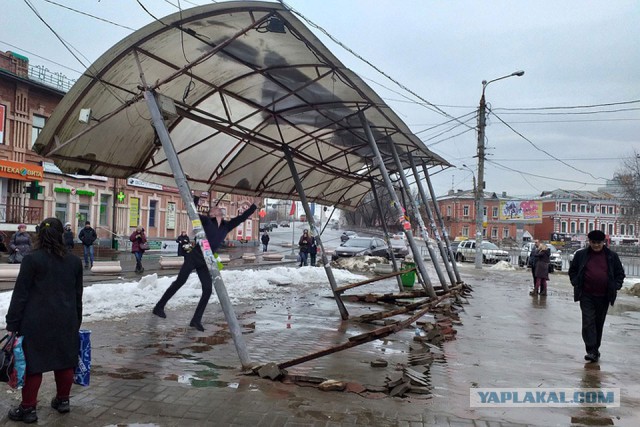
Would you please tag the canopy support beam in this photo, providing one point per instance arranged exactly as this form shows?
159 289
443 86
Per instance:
201 238
432 224
426 283
344 314
445 234
383 221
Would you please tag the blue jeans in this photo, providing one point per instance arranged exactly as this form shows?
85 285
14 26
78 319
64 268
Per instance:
303 258
88 254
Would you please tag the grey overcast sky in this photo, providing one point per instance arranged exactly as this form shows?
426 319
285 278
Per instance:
575 53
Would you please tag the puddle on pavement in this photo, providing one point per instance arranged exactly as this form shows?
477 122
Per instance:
127 374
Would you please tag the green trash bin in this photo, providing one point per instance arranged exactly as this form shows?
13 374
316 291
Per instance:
408 279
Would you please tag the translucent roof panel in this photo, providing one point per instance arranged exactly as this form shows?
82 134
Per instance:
247 79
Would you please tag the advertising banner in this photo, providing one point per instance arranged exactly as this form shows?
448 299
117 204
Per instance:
521 210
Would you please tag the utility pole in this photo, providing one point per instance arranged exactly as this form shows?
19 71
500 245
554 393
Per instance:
480 183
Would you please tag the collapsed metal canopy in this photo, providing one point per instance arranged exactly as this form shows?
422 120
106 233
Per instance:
245 78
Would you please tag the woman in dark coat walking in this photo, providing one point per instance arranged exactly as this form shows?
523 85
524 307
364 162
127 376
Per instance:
46 309
542 269
137 239
20 245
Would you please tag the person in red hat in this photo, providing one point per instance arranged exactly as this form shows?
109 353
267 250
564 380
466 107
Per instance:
596 274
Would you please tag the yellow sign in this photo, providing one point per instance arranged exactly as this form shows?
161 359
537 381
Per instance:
134 211
521 210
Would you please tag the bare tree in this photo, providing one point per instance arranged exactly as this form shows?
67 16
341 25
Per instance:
628 180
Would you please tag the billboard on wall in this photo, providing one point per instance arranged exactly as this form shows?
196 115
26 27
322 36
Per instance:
521 210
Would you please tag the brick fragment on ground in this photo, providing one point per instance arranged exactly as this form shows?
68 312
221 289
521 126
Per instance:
270 370
332 385
379 363
355 388
400 389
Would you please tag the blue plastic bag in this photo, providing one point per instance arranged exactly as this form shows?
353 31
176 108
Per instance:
16 378
82 373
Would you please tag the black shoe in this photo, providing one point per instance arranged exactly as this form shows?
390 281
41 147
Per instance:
197 325
591 357
60 405
86 266
159 311
543 293
26 415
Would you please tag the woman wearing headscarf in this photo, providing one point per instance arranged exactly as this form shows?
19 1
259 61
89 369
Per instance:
46 309
20 245
137 238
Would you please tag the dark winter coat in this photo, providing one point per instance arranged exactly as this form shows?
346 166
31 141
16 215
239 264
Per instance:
541 264
313 246
46 308
87 236
137 238
265 239
21 242
216 233
182 240
305 243
68 238
615 272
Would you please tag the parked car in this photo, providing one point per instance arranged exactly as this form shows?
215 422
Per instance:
265 227
555 259
399 245
454 248
273 224
491 254
285 224
360 246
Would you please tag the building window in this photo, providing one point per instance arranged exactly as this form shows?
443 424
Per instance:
153 209
591 226
61 212
36 127
563 207
610 229
603 228
573 208
484 211
104 209
603 209
449 210
494 212
610 209
563 226
484 233
583 208
581 228
631 233
623 229
572 230
505 232
494 232
465 210
465 231
592 209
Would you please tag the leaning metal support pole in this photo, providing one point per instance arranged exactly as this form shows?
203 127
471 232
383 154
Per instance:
201 238
383 221
423 229
312 225
385 174
445 234
432 223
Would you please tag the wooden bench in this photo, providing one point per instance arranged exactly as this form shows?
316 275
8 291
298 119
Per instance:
9 272
106 267
174 262
272 256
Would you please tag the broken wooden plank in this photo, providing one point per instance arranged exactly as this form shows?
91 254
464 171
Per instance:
341 289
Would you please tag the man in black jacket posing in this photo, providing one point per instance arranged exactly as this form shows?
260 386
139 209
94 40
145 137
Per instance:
216 229
596 274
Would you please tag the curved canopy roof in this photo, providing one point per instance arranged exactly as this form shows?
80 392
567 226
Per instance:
239 81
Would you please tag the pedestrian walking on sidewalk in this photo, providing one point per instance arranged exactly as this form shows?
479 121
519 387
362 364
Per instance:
87 236
532 263
313 251
20 245
303 245
138 246
68 237
265 240
216 229
596 274
543 255
46 309
184 243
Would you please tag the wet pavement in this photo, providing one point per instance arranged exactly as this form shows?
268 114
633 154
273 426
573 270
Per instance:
152 371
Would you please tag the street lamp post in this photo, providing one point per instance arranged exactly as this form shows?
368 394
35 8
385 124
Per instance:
480 182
